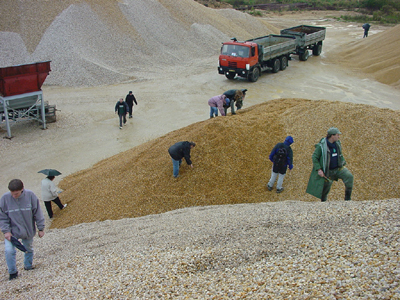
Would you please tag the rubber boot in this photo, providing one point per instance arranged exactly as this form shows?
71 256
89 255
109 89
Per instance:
347 194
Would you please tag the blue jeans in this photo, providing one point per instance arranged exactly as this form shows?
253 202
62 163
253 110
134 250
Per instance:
10 253
176 164
213 111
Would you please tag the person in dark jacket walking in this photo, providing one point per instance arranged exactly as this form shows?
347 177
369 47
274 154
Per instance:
281 157
177 152
130 98
328 166
122 109
236 97
366 28
20 215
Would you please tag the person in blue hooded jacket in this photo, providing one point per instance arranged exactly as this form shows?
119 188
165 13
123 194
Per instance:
282 157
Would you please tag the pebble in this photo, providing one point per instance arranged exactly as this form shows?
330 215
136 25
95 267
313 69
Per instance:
280 250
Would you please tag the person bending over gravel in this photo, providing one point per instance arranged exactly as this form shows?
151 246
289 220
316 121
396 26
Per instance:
237 97
177 152
217 103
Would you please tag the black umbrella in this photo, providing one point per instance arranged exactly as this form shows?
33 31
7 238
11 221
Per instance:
17 244
50 172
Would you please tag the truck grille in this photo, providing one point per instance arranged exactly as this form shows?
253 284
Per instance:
232 64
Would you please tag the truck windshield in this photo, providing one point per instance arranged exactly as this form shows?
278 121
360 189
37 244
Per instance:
235 50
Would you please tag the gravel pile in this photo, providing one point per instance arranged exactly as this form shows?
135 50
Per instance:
231 165
172 250
368 56
283 250
99 42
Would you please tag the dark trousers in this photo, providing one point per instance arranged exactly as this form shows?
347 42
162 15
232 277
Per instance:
48 206
130 109
336 174
122 117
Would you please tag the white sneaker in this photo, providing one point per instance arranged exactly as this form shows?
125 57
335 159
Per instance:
65 205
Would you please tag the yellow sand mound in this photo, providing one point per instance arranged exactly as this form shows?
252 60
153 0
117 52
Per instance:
378 55
231 162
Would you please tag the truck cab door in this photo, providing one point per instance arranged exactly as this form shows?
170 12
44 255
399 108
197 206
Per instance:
260 51
253 56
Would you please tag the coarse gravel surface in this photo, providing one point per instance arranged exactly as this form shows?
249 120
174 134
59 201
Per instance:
283 250
273 250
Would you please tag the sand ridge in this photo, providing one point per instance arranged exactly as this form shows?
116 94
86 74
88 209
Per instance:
231 164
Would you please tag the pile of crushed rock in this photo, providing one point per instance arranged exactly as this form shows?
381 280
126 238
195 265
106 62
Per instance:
96 42
231 162
377 55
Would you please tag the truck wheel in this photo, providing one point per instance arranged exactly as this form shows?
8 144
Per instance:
276 65
316 51
284 63
230 75
253 76
304 56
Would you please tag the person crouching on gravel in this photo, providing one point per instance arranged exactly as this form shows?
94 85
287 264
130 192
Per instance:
122 109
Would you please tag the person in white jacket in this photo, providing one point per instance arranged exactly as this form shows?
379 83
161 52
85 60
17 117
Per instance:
49 193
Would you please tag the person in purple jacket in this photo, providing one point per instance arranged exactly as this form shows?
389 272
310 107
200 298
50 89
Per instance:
20 214
217 103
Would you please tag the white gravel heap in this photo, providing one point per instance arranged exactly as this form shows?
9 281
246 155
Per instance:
105 42
282 250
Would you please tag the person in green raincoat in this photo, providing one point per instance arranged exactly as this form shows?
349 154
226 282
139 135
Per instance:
328 166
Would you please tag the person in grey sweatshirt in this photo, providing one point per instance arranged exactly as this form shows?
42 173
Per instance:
20 215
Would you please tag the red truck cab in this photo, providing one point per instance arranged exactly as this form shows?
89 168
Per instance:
237 58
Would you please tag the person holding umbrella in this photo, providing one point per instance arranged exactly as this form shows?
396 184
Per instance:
49 191
20 215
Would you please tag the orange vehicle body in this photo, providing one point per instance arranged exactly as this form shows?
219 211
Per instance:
241 58
249 58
